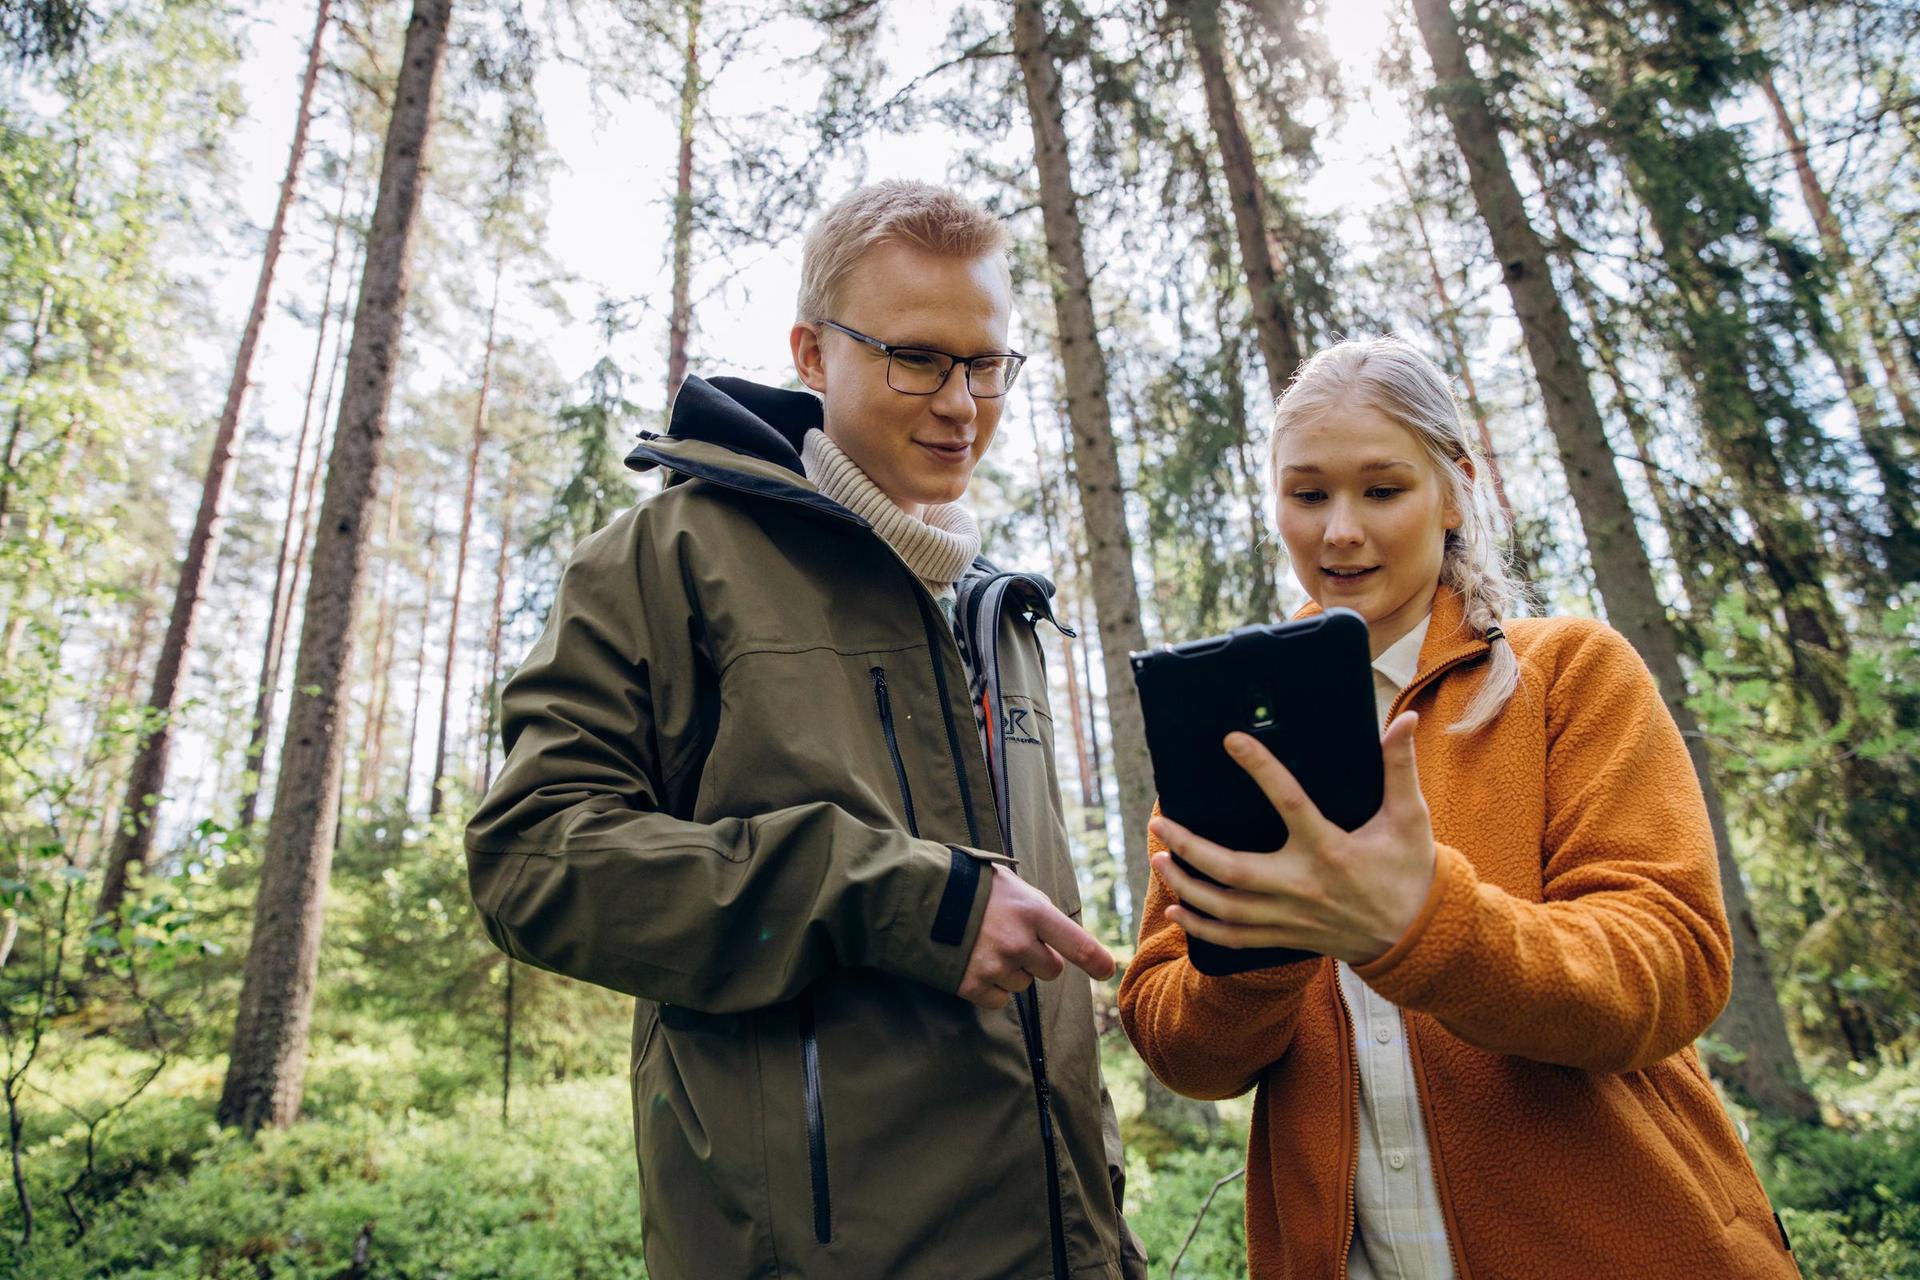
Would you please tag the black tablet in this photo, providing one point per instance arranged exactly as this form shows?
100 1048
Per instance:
1305 690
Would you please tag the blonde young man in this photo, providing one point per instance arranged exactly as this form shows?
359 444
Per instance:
780 768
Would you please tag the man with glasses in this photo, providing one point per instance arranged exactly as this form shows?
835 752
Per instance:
780 767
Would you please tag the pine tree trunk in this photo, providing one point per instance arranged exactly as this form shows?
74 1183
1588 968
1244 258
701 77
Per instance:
149 777
432 568
120 690
284 582
460 554
1601 338
1049 523
1752 1023
1449 318
1898 500
1792 554
491 687
1116 593
373 740
1273 317
1076 604
1263 596
267 1063
680 318
1711 350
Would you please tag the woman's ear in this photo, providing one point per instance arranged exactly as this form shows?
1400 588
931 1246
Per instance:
808 360
1455 516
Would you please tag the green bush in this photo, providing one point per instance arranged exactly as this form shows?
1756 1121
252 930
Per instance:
552 1195
1850 1200
1164 1199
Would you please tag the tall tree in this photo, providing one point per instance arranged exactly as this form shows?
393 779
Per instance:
148 778
267 1062
284 575
1447 315
1116 591
431 570
1654 88
490 689
1766 1070
1894 466
680 319
386 628
1273 319
475 445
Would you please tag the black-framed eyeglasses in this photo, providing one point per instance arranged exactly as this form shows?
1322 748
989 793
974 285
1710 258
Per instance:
921 371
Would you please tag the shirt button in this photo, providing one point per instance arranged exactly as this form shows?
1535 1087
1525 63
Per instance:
1397 1159
1383 1035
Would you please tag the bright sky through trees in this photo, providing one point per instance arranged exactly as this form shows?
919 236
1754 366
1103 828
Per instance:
611 201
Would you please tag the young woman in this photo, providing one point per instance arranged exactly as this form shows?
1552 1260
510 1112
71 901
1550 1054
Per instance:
1490 1073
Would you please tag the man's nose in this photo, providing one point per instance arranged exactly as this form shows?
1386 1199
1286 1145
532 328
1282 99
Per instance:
953 401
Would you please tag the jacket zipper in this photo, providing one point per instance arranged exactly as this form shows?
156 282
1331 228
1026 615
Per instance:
884 704
1352 1143
1028 1004
1426 678
816 1124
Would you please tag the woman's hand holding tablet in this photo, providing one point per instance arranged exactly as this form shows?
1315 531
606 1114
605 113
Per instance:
1346 894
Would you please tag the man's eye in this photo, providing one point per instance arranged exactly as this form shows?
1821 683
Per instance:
917 359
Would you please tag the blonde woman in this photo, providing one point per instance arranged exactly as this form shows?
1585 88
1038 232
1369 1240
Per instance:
1489 1073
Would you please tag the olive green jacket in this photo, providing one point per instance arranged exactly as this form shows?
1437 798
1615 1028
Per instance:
746 784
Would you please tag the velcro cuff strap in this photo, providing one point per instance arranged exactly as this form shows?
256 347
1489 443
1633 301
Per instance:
956 900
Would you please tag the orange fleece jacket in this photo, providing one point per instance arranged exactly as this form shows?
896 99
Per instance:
1573 945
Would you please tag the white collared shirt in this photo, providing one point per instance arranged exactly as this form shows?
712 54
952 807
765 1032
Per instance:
1399 1230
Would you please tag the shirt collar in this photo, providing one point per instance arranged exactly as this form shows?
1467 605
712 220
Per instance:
1401 661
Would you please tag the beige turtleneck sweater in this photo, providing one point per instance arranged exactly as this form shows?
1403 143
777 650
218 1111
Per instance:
938 545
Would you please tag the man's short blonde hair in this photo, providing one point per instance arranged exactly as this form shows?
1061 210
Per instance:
916 213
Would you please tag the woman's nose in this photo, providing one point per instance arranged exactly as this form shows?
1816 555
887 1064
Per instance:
1342 529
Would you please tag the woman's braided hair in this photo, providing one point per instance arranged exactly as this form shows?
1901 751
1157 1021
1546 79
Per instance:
1389 376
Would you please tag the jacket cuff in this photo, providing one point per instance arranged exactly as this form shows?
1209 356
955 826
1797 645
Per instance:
932 938
1426 950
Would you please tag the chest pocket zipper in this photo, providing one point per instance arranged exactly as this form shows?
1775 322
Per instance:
884 705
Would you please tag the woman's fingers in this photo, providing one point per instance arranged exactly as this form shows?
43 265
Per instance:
1282 789
1228 934
1203 855
1223 904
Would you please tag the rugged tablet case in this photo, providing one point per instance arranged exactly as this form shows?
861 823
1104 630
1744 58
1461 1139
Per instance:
1305 689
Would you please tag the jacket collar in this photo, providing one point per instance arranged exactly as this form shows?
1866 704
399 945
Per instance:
742 435
1449 641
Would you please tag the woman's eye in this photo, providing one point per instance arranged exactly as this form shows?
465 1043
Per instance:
1381 492
1307 495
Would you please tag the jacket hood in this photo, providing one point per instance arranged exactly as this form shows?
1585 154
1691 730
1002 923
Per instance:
742 435
765 423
